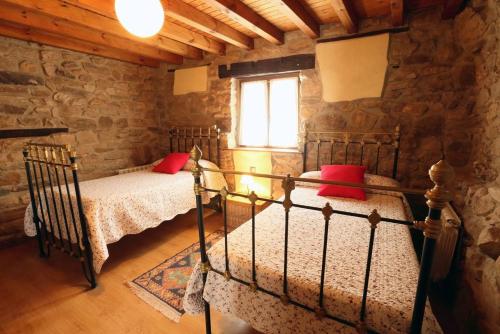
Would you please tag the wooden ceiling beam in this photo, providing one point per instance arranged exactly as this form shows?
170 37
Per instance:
244 15
37 36
397 12
347 15
298 14
451 8
41 22
170 29
182 12
82 17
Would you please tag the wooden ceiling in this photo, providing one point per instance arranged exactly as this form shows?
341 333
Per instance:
192 26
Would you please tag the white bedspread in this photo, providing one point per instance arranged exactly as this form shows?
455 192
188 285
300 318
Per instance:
126 204
393 278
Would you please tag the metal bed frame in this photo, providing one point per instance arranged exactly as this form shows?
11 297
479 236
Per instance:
340 144
441 174
60 221
182 139
46 167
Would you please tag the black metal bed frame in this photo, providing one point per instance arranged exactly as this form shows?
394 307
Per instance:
441 175
348 142
47 168
182 139
51 186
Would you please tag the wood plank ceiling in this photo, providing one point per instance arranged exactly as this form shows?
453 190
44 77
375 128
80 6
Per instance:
192 26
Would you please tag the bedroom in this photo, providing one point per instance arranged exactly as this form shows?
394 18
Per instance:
423 73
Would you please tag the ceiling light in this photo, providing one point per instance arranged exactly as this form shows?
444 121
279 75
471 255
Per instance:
142 18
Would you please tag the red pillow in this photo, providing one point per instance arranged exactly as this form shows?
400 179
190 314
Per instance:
172 163
342 173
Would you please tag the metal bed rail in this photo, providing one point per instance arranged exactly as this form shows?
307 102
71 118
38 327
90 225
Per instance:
341 144
182 139
441 175
56 203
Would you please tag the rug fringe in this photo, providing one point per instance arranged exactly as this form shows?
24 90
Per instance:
157 304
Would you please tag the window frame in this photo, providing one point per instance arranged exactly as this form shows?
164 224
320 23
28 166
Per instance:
268 79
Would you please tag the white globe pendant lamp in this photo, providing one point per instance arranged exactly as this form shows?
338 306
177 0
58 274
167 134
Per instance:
142 18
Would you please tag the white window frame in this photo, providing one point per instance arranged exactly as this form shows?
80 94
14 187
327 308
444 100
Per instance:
268 79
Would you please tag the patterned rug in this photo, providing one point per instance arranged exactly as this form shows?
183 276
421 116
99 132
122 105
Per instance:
163 287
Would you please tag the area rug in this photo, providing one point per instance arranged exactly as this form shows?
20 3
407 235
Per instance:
163 287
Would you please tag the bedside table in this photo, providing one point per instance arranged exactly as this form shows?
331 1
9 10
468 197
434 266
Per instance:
239 210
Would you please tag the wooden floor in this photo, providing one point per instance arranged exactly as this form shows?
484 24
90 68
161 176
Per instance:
49 296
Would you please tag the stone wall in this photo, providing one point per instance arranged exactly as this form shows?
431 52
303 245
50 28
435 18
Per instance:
426 92
477 31
442 86
110 108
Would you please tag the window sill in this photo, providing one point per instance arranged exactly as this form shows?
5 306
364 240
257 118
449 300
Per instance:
265 149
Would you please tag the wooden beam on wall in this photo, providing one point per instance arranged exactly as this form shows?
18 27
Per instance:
37 36
75 17
298 14
45 23
397 12
268 66
244 15
347 15
451 8
170 29
391 30
182 12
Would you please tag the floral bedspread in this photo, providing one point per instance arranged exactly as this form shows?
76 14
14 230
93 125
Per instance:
393 277
125 204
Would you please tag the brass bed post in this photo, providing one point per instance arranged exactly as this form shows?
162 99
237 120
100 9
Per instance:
171 144
218 146
87 261
303 141
36 220
441 175
396 143
205 265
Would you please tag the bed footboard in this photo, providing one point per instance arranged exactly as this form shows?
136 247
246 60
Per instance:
441 175
56 204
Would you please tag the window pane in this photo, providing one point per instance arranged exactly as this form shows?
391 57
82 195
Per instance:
253 116
284 116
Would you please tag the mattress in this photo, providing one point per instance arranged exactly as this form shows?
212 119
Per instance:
393 277
125 204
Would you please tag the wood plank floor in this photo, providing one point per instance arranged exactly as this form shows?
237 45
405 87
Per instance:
49 295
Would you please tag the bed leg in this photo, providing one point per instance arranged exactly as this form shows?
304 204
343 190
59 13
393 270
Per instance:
441 175
205 265
87 258
36 220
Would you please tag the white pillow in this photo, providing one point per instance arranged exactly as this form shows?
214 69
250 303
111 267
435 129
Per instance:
157 162
212 180
380 180
370 179
316 174
189 165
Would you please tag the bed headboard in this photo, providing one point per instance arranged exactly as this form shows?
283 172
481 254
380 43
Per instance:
182 139
378 151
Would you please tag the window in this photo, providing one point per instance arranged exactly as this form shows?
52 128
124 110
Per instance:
269 111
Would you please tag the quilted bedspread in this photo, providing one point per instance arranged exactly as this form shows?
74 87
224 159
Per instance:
126 204
392 284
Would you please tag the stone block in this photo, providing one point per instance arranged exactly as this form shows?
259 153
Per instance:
11 109
489 241
105 122
17 78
